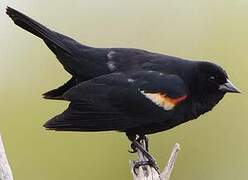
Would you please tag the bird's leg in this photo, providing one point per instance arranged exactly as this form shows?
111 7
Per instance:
134 150
146 141
140 140
141 144
150 160
132 137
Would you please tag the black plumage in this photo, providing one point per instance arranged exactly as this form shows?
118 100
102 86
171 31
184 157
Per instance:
129 90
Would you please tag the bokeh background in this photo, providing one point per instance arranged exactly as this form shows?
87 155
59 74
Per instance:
213 147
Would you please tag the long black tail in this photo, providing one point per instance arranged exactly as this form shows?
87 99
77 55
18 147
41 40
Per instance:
66 49
36 28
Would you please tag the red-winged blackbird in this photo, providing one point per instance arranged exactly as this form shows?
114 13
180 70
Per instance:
128 90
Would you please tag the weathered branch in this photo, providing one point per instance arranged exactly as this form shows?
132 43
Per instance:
146 172
165 175
5 171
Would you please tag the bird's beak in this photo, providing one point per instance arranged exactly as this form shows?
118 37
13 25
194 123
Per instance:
228 87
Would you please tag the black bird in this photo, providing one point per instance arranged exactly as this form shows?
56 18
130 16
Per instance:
129 90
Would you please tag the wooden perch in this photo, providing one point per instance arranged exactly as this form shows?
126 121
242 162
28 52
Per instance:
5 171
143 172
146 172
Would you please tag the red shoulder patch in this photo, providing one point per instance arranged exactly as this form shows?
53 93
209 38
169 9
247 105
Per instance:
176 100
162 100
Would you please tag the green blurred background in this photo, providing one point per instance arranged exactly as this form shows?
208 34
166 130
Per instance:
213 147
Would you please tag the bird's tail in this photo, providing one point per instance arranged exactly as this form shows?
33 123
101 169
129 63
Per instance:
27 23
36 28
64 47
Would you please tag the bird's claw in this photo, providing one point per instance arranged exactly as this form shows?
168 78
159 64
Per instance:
133 147
132 151
139 140
137 164
150 160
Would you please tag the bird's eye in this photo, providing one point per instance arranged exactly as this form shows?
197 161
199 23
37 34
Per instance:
212 78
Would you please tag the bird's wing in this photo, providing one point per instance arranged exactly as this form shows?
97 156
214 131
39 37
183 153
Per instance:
57 93
119 101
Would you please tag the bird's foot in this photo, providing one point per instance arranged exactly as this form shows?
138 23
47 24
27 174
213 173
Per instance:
133 147
143 164
150 160
140 140
144 139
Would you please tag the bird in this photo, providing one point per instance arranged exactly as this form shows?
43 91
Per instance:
129 90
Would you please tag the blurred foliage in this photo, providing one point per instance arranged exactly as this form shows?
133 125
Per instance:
213 147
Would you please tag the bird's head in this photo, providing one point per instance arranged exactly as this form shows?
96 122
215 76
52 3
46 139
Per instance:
212 79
